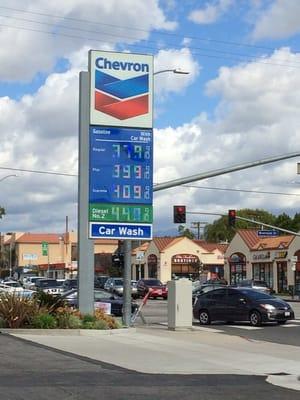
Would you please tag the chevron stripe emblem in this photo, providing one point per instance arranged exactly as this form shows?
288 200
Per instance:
121 99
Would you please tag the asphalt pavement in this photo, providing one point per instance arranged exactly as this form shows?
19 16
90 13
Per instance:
37 372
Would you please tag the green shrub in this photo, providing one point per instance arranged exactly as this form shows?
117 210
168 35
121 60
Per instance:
16 310
68 321
88 325
2 323
100 324
88 318
48 300
44 321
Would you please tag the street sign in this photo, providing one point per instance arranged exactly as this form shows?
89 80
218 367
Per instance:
44 248
267 233
121 231
121 177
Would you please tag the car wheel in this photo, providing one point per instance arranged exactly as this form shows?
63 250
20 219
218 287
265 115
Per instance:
255 318
204 317
281 322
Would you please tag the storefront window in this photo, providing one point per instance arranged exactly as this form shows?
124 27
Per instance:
282 276
263 272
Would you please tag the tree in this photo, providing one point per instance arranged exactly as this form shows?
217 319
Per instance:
284 221
183 231
219 231
2 211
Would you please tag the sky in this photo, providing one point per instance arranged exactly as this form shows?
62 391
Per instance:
239 103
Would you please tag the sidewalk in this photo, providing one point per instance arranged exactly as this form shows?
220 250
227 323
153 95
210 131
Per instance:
155 349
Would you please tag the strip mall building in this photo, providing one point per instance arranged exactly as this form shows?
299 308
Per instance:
275 260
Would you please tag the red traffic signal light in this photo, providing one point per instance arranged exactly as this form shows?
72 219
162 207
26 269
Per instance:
231 217
179 214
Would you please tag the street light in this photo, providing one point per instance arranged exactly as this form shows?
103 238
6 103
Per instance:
175 71
127 245
7 176
10 266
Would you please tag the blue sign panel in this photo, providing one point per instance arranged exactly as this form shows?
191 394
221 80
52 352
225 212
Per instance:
120 166
267 233
120 231
121 179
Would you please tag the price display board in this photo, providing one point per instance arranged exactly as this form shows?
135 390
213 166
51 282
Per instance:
120 182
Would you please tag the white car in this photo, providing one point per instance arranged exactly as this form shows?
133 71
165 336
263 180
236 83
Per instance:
29 283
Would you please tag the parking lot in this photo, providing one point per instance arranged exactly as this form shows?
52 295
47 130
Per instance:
156 312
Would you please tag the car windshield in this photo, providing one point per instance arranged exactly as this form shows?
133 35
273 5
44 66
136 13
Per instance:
47 283
118 282
13 284
259 283
72 282
98 295
256 295
153 282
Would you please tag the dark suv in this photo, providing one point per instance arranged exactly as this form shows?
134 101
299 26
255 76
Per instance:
241 304
256 285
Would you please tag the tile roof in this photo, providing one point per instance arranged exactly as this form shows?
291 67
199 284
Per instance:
142 247
163 242
54 238
249 236
210 247
274 242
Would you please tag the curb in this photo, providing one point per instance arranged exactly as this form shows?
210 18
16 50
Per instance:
67 332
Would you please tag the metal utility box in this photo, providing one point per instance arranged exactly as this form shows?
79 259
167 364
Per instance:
180 314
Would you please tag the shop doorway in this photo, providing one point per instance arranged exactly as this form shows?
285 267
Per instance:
237 265
282 277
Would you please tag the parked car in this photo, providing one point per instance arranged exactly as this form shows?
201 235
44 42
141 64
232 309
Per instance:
241 304
204 289
48 285
69 284
100 281
11 286
158 289
134 292
29 282
256 285
114 285
216 281
101 296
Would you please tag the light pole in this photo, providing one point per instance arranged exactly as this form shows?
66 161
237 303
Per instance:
10 258
127 247
175 71
7 176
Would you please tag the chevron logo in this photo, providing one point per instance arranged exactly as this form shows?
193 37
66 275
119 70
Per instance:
121 99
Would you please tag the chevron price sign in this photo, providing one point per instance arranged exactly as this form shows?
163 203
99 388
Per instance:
120 146
121 89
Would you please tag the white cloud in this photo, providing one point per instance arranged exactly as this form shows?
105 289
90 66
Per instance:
211 12
174 59
280 20
257 117
25 50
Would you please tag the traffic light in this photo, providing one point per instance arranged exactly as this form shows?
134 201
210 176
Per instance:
231 217
179 214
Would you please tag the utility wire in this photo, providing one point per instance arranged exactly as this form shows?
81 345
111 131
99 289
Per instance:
209 40
188 186
118 36
241 190
146 47
39 171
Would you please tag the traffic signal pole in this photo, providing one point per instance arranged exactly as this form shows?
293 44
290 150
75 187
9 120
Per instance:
222 171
